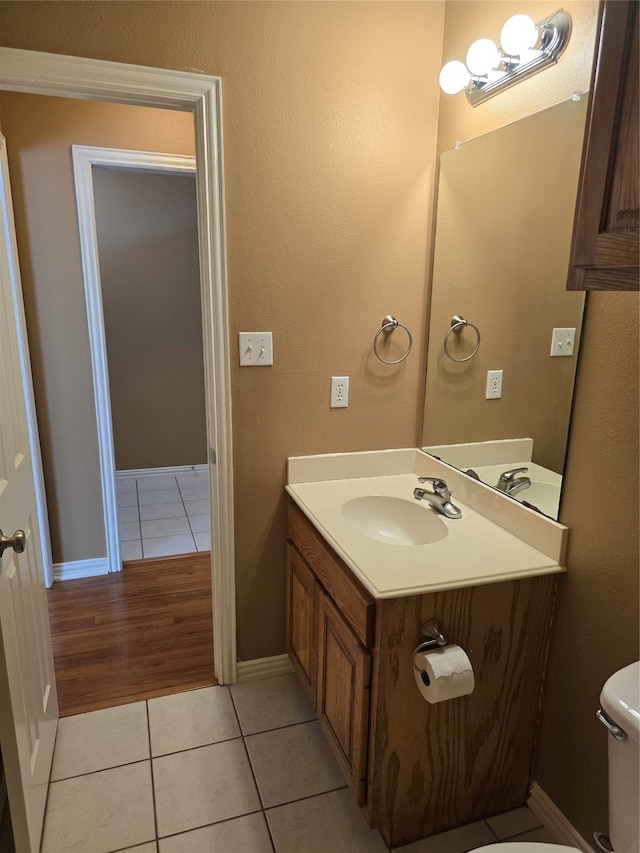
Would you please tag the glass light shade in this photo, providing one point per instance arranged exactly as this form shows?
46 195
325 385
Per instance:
482 56
454 77
518 35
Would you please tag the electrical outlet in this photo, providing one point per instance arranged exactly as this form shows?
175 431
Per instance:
563 341
256 349
494 385
339 392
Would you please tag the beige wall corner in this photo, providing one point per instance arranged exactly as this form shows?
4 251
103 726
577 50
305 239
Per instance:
596 629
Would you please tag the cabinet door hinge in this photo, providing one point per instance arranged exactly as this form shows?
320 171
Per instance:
212 456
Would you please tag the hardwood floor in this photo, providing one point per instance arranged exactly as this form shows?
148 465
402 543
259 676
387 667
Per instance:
143 632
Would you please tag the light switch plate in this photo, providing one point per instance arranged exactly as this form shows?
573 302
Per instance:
256 349
563 341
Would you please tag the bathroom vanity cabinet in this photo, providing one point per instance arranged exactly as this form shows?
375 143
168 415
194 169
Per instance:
418 768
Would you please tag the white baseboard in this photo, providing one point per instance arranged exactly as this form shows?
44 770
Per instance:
552 818
161 472
80 569
251 670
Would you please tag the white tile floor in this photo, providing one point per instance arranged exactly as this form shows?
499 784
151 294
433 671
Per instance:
160 515
220 770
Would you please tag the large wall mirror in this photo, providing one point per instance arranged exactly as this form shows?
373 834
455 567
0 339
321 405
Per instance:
503 230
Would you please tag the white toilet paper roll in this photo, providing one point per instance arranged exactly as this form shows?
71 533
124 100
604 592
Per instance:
443 674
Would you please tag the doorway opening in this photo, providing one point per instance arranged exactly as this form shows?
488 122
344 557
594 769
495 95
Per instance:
139 243
25 71
150 631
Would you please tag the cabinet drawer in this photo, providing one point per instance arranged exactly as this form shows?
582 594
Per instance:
351 598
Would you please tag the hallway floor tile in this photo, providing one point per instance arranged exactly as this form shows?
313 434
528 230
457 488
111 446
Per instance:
160 515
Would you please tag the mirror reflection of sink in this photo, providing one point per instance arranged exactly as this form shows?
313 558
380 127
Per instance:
394 520
545 496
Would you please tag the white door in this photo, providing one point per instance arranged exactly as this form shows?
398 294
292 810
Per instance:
28 701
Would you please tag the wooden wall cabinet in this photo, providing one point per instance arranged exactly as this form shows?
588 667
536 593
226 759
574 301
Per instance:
606 237
418 769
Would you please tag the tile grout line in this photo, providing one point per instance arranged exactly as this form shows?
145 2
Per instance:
195 544
118 508
308 797
100 770
206 825
139 521
255 781
153 783
188 519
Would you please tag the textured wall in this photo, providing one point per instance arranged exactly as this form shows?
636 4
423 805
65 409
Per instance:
148 246
330 117
600 591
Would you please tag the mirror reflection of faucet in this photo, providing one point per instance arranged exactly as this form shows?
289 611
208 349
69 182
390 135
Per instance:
439 498
510 484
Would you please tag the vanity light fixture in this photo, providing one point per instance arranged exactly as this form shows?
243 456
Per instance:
525 48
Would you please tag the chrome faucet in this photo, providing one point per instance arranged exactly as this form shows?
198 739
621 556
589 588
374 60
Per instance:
510 484
439 498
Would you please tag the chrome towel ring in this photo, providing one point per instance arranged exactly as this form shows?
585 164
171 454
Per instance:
457 325
389 323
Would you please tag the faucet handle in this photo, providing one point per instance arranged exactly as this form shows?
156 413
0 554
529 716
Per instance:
439 485
507 476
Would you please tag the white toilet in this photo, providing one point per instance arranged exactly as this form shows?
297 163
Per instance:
620 713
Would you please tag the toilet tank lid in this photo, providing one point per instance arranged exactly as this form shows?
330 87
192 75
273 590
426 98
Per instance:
620 698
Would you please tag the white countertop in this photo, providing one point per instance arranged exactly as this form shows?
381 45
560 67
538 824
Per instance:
474 551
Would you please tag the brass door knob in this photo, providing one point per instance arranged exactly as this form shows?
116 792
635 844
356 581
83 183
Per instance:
16 542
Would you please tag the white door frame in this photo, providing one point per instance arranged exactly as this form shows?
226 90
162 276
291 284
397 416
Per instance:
84 158
91 79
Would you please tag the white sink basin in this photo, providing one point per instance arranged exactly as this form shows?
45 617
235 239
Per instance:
394 520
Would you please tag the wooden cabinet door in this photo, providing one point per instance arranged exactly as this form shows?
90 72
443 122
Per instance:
342 702
302 619
605 247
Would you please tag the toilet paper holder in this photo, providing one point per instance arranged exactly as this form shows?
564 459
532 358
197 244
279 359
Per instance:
432 637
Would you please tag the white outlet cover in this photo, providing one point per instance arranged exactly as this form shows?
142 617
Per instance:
339 392
494 385
563 342
255 349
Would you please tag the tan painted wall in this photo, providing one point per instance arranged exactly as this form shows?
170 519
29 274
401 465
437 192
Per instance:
148 247
330 116
40 131
600 590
